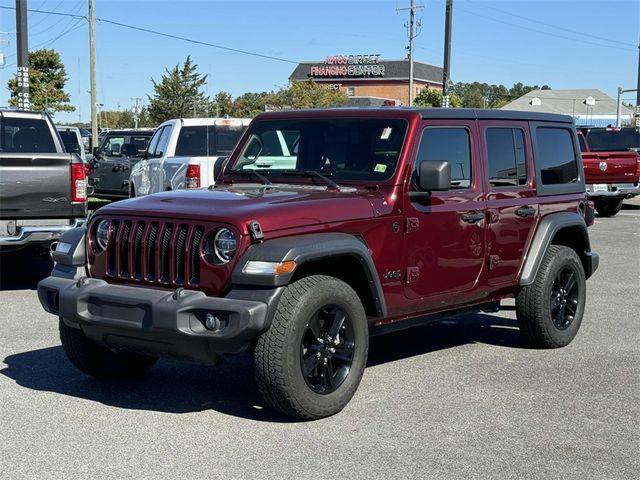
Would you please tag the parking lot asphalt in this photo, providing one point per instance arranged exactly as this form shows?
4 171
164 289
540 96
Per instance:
458 399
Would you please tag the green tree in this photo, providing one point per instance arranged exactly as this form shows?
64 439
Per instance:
47 78
222 104
430 97
309 94
178 94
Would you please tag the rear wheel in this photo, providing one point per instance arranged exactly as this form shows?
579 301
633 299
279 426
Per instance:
608 207
550 310
98 361
310 362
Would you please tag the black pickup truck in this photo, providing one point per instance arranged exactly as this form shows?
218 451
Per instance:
43 189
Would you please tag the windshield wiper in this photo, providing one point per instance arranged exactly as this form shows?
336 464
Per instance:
248 172
312 174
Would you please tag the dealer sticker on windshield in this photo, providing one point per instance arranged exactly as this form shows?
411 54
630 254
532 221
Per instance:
380 167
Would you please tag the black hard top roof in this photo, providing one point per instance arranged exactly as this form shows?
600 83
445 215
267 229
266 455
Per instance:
129 132
439 113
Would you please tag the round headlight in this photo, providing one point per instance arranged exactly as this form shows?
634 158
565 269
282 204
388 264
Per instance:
102 235
220 247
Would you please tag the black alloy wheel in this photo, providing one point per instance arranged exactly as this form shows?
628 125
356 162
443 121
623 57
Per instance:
327 349
564 299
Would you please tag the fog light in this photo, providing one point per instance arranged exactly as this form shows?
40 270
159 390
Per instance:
211 322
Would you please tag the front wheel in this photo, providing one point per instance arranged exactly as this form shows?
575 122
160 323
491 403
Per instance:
608 207
311 360
549 311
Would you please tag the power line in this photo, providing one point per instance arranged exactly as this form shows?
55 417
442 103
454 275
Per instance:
564 29
543 32
163 34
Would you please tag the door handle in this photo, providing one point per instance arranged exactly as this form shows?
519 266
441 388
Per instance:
526 212
473 217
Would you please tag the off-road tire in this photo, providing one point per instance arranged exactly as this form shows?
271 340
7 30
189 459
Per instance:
279 351
535 304
608 207
98 361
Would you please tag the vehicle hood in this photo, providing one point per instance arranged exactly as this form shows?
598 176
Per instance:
275 207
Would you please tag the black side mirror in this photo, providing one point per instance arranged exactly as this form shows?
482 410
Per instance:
96 152
432 176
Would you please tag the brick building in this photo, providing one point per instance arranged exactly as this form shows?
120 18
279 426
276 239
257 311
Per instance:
369 80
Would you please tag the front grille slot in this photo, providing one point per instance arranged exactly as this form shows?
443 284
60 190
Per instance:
155 252
124 249
137 250
195 256
165 257
180 254
150 261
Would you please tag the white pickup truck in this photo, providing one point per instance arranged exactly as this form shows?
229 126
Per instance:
185 153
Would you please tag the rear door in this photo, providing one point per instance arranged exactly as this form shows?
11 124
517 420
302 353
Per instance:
35 178
512 204
445 244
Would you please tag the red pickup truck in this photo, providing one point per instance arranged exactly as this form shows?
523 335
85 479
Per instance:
611 166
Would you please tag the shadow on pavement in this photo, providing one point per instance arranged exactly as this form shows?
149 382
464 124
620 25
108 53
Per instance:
23 269
229 387
630 206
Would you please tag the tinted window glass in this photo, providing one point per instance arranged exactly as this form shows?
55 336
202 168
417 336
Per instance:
26 135
605 140
452 145
204 141
153 143
506 157
556 157
113 145
70 141
140 143
163 141
346 149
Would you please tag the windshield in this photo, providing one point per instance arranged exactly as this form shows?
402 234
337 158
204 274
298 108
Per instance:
346 149
613 140
203 141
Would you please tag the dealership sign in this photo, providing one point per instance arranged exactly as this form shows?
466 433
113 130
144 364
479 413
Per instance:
349 66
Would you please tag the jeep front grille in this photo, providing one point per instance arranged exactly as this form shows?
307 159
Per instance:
154 251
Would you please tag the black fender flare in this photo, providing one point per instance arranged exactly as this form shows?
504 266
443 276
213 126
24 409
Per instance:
547 229
306 248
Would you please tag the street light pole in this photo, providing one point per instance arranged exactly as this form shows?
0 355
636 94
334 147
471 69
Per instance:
446 72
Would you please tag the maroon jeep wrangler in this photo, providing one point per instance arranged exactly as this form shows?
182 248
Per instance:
325 227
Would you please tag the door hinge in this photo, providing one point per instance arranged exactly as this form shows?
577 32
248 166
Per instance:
413 274
492 261
412 225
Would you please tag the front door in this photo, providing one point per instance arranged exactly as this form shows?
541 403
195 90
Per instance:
445 244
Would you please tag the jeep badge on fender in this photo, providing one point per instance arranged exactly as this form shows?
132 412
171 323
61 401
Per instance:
326 226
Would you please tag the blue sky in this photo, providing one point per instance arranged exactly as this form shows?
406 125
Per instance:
561 43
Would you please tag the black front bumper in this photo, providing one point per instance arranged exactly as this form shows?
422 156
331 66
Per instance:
159 322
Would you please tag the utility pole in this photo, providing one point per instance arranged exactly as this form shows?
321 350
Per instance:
24 98
92 79
412 35
637 115
446 72
136 111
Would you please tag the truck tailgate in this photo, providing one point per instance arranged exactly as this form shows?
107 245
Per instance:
610 167
35 185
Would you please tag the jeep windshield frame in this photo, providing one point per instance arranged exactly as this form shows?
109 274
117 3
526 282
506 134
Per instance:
347 149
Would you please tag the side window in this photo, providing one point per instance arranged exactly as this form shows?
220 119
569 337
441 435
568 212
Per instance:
450 144
506 157
153 144
583 144
556 157
112 145
163 142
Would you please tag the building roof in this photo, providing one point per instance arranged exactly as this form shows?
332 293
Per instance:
394 70
568 102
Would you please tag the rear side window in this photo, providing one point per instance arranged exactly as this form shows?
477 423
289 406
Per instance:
25 135
70 141
200 141
506 157
452 145
556 157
